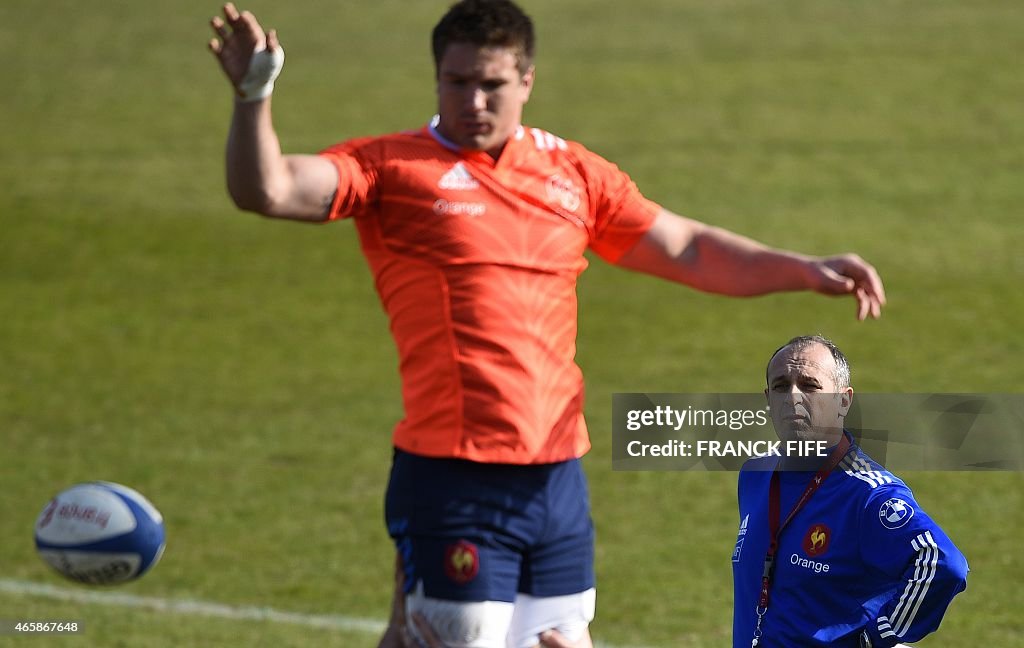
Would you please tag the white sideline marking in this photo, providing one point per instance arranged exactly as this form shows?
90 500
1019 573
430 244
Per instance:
191 607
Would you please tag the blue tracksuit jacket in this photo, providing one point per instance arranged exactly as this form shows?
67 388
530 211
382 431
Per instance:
861 554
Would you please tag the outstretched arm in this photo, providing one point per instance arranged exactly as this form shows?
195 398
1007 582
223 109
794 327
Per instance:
260 178
718 261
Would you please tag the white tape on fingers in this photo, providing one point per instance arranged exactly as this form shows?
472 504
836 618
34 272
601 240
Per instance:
263 70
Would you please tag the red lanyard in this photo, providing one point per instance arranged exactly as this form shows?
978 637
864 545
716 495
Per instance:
775 529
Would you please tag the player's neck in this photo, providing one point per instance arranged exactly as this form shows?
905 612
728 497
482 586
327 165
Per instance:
495 153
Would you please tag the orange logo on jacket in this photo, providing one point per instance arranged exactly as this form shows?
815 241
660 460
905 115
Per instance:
461 561
816 540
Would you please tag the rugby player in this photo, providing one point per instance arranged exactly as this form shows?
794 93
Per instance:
474 227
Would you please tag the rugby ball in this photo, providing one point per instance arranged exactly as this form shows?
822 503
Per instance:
100 533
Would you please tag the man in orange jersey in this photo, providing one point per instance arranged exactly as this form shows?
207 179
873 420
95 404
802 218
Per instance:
474 227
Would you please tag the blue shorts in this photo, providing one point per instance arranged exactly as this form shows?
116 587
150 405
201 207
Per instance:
485 532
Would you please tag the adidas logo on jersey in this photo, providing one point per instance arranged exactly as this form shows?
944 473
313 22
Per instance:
459 179
738 551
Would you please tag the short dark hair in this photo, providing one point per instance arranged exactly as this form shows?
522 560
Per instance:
485 23
841 375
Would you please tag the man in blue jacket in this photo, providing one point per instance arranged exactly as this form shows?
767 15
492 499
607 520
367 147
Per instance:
832 551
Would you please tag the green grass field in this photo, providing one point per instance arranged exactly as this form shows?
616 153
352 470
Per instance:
239 371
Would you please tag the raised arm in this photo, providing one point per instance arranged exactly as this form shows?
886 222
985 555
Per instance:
718 261
259 177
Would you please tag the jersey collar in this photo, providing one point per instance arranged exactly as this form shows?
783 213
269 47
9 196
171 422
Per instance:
470 153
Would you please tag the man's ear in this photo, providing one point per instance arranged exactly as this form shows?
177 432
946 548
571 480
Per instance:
527 81
845 401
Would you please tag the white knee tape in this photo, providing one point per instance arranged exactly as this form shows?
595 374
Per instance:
570 615
461 624
264 66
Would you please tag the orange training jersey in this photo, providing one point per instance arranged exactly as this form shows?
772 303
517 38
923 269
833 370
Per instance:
475 262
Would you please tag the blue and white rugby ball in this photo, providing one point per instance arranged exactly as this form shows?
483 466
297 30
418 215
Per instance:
100 533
